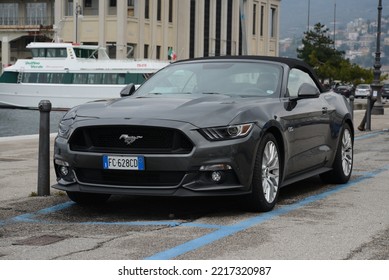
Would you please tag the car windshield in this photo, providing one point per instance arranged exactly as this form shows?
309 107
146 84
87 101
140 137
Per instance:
363 86
231 78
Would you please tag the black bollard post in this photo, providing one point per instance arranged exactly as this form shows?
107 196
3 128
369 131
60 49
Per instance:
44 148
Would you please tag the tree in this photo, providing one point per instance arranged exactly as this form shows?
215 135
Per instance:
319 52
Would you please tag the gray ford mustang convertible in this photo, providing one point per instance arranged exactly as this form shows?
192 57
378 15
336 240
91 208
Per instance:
220 126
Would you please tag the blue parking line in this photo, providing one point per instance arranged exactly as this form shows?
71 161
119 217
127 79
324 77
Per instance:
30 217
369 135
56 208
225 231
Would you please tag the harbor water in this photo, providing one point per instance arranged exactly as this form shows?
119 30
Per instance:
15 122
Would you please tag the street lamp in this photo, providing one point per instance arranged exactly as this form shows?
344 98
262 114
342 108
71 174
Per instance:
376 86
77 11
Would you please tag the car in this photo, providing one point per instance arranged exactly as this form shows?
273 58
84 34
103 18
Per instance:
345 90
242 126
362 90
385 91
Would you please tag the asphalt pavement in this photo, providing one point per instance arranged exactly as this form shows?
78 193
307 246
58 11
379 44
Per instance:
331 222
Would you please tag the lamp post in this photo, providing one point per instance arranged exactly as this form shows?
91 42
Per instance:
376 86
309 11
77 11
335 24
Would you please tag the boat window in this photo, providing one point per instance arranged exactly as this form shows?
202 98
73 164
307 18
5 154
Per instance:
95 78
83 53
110 78
56 78
9 77
122 79
30 77
41 53
48 52
43 77
80 78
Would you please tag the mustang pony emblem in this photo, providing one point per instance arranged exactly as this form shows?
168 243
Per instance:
129 139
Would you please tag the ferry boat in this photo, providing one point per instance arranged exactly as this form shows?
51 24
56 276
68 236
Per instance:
69 74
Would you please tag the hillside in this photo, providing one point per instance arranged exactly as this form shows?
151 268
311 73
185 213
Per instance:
294 13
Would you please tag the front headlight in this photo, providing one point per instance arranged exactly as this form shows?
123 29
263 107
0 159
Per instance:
226 132
66 122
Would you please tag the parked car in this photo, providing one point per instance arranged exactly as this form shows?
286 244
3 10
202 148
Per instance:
345 90
362 90
385 91
243 126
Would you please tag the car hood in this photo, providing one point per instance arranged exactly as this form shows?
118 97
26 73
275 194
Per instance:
199 110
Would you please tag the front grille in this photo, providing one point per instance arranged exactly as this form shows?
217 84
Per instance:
129 178
109 139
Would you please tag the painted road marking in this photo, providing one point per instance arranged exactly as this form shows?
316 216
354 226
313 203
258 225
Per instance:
225 231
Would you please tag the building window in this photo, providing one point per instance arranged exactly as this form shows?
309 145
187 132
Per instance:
218 27
158 55
229 27
88 3
254 19
170 10
130 3
192 28
206 27
273 22
112 3
159 10
146 51
262 17
147 9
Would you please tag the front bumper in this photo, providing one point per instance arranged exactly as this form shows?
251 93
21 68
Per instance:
187 174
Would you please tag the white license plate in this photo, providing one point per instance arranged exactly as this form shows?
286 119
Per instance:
124 162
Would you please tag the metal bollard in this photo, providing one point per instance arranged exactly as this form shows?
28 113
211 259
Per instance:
44 148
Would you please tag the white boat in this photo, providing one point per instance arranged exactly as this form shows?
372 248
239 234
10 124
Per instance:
68 75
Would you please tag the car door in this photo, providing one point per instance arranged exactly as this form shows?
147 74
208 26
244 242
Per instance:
307 127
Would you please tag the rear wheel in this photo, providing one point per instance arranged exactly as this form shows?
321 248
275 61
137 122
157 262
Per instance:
343 163
266 178
88 198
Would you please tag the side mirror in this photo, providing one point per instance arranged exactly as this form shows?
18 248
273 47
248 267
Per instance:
127 90
307 91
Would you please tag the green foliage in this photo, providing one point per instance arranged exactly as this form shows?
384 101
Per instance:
319 52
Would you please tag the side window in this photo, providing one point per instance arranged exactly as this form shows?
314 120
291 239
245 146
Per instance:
296 79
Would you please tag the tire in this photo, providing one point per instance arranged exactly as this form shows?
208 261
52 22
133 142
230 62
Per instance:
344 158
266 177
88 198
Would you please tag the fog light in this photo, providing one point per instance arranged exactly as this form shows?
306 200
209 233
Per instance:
64 170
216 176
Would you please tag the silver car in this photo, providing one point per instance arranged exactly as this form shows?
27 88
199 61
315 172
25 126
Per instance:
362 90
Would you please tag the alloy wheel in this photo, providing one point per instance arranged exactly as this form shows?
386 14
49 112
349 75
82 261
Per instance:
270 171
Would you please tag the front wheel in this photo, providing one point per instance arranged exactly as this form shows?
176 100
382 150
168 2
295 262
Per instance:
343 163
266 178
